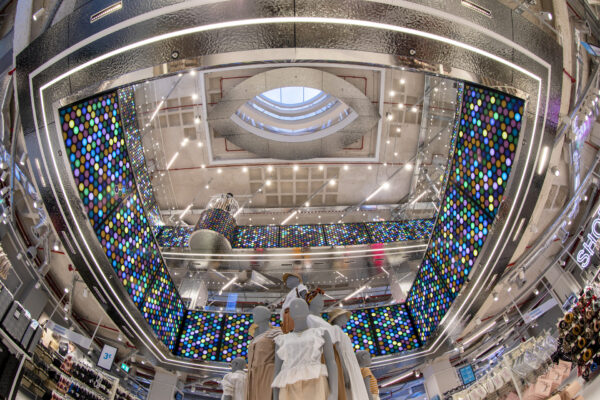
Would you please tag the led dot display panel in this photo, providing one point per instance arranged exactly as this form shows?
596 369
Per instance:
128 243
398 231
275 320
200 335
253 237
487 140
346 234
217 220
235 336
170 236
163 308
95 145
302 236
393 330
429 299
359 330
455 244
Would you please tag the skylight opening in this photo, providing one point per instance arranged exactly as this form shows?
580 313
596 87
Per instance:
292 95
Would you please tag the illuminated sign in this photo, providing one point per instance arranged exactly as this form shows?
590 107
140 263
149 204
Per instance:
588 249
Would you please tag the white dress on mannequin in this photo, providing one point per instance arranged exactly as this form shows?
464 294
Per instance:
234 385
346 353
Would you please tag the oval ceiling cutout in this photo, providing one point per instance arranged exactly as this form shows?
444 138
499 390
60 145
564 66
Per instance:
294 113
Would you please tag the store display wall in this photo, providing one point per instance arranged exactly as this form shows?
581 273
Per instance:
102 169
273 236
486 141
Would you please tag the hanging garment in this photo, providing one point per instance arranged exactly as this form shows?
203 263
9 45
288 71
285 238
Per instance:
287 323
261 365
306 390
315 321
300 353
234 385
344 347
373 388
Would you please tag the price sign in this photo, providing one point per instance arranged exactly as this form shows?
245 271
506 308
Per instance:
107 356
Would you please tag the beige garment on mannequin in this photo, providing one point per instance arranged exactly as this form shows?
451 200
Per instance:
261 365
313 389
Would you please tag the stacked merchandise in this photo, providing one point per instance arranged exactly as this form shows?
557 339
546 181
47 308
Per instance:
526 372
578 332
89 377
122 394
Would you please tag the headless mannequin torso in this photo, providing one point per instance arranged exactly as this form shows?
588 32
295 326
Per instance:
299 311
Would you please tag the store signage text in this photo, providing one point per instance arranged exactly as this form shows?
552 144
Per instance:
589 244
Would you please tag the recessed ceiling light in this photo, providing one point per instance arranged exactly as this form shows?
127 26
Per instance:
206 187
296 168
193 72
402 81
194 96
197 120
184 142
200 144
385 164
332 182
396 154
319 217
435 89
270 168
320 168
392 93
219 170
306 204
245 169
387 141
268 182
346 167
369 167
398 130
414 109
401 106
203 166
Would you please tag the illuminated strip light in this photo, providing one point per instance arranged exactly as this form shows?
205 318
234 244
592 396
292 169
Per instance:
106 11
376 25
238 211
187 209
419 197
398 379
320 253
479 334
357 291
289 217
228 284
476 7
172 159
543 160
157 110
385 185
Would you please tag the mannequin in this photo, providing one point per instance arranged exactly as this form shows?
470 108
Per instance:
316 302
299 375
234 383
339 319
364 360
292 281
261 355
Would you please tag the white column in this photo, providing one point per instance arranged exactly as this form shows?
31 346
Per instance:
440 377
163 386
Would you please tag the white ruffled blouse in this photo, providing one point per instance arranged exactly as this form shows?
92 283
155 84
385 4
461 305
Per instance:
301 355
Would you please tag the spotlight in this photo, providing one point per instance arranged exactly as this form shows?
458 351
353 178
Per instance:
4 176
4 191
555 171
23 159
536 291
120 338
389 116
38 14
505 317
495 296
402 81
546 15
